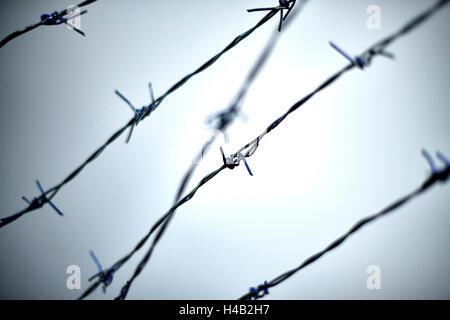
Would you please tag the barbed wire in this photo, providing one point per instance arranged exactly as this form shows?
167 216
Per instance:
437 175
222 121
54 19
231 162
140 115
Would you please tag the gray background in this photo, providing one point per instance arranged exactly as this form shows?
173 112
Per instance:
347 153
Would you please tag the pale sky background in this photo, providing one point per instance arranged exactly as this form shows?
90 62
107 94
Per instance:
347 153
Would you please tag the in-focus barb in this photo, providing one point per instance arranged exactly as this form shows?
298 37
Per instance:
138 113
41 200
246 164
284 5
233 161
255 292
106 276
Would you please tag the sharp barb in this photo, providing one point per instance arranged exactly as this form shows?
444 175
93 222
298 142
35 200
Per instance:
40 187
130 133
261 9
56 208
248 167
342 52
97 262
127 102
281 20
223 156
152 96
78 30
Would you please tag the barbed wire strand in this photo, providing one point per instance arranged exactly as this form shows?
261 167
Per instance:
377 49
435 177
147 110
56 18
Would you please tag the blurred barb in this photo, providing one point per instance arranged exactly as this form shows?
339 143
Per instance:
53 19
437 175
147 110
229 162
